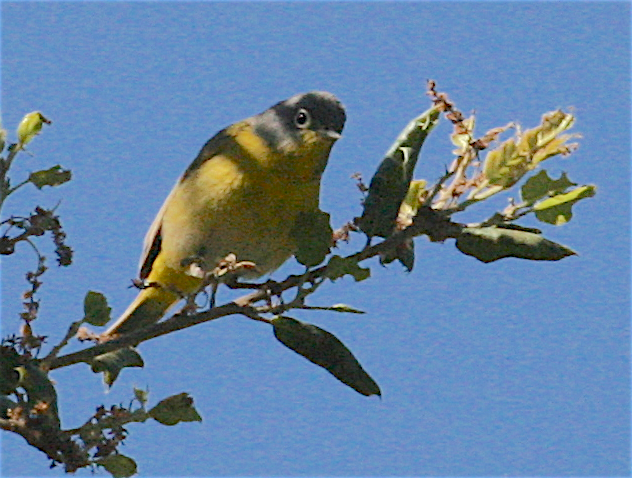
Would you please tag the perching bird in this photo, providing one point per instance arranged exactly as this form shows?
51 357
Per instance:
241 195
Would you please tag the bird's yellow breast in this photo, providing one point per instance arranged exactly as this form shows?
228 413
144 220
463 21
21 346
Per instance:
237 202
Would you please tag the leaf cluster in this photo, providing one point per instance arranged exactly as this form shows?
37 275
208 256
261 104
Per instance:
26 229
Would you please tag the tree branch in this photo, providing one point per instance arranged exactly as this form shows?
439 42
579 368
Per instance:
177 322
436 225
48 439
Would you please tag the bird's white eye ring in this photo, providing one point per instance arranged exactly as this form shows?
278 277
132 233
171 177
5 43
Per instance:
302 118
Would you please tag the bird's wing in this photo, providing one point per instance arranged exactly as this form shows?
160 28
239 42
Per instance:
153 238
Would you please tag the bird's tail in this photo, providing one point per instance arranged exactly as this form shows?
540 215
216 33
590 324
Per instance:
148 307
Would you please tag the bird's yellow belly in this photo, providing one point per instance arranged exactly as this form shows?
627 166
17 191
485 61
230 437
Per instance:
224 212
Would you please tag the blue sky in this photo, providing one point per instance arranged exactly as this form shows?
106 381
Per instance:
511 368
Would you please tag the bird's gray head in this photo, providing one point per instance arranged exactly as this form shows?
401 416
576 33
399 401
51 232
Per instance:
283 123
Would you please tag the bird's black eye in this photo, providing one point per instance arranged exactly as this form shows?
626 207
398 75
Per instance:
302 118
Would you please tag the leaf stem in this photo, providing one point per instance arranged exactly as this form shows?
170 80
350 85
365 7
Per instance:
5 165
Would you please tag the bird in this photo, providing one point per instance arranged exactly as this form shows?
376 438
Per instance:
240 197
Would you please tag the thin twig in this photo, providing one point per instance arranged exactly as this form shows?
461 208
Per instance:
18 186
72 331
5 165
437 188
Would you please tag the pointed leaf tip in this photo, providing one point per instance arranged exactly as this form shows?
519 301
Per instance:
558 210
391 181
488 244
326 350
111 363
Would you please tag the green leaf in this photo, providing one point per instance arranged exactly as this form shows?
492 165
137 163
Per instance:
141 395
552 124
489 244
342 308
390 182
30 126
175 409
403 252
50 177
324 349
6 404
557 210
111 363
345 308
313 236
95 309
498 220
119 466
541 185
412 201
9 376
338 267
37 384
553 148
39 388
505 165
3 137
462 140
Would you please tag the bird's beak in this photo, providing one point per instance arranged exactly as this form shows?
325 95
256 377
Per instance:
330 134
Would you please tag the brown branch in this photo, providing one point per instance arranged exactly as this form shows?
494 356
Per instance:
177 322
43 435
437 226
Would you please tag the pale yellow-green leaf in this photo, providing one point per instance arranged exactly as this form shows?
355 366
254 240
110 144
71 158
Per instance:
141 395
30 126
507 164
553 148
557 210
412 201
529 140
504 166
346 308
553 124
3 137
462 140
